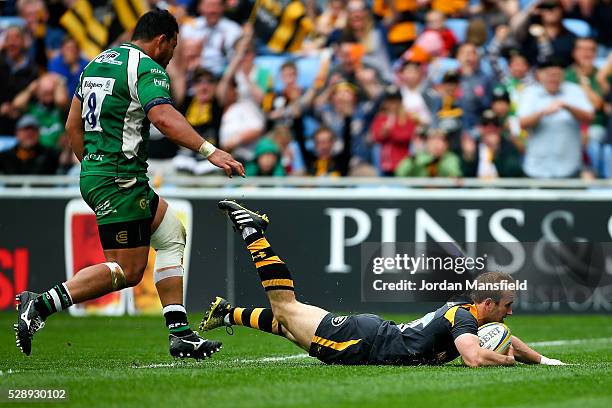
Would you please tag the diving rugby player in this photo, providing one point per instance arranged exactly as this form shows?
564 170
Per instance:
436 338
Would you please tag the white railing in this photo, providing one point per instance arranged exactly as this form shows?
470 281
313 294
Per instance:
19 182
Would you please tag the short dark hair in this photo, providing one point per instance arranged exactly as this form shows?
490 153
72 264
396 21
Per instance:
153 23
289 64
479 296
203 73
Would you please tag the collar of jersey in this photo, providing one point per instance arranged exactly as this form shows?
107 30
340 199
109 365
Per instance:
129 44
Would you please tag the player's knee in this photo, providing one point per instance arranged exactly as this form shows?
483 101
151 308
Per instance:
133 276
169 241
282 310
124 276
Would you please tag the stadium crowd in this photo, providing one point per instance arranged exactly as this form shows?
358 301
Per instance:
398 88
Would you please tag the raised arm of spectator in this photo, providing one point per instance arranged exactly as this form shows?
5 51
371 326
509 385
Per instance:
298 132
603 74
230 71
519 22
494 51
60 94
581 115
344 157
21 101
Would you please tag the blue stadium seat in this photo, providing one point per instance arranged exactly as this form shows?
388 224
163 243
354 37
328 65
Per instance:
440 67
7 142
459 27
7 21
525 3
308 68
578 27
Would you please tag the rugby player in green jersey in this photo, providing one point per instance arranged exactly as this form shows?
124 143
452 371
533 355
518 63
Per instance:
120 93
438 337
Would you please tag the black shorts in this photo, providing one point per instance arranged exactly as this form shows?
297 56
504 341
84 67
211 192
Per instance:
129 234
346 339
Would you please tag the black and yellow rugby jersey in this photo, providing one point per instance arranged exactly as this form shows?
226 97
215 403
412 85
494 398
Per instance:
430 339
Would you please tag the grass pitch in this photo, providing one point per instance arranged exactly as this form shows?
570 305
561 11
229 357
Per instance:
124 362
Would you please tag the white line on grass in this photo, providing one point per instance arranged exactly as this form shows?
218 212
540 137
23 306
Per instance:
570 342
244 361
304 355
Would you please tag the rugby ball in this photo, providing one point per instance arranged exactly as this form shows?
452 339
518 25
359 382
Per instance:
495 336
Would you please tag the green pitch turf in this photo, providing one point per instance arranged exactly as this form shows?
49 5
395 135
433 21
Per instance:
123 362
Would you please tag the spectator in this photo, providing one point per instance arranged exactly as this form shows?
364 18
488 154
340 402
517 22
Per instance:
286 104
510 124
584 73
435 161
399 18
494 12
445 104
242 123
291 157
435 22
475 85
28 156
216 34
203 109
323 161
46 100
16 72
334 17
370 37
412 86
69 64
253 81
340 102
540 30
494 156
267 160
46 40
393 129
552 112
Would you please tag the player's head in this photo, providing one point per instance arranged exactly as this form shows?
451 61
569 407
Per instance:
157 29
493 304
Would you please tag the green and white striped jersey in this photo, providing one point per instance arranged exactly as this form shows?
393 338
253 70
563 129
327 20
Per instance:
117 89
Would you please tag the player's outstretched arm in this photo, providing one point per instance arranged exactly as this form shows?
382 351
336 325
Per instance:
74 128
473 355
525 354
176 128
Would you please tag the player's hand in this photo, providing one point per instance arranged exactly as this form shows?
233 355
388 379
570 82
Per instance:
225 161
510 355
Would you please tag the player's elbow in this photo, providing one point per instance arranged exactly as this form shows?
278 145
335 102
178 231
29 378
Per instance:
161 116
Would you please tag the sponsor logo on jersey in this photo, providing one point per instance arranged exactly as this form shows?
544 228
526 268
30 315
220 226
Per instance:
122 237
104 209
157 71
108 57
161 82
94 157
143 204
99 84
338 320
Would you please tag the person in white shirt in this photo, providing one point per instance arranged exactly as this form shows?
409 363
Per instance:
216 33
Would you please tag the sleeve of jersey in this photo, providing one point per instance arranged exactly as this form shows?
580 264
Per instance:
464 323
77 92
153 88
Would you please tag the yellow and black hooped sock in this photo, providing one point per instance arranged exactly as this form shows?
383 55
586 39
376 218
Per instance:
272 271
259 318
